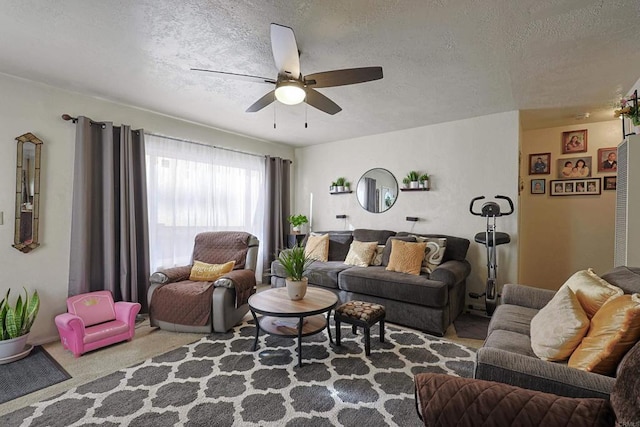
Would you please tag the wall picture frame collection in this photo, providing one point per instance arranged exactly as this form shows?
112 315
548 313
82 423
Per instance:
574 174
574 187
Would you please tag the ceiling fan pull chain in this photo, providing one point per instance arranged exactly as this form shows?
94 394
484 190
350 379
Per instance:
274 115
306 109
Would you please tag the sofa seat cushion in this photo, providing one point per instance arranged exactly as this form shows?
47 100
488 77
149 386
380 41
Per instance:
104 330
510 341
513 318
379 282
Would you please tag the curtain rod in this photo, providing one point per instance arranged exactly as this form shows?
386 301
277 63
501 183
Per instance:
204 145
74 120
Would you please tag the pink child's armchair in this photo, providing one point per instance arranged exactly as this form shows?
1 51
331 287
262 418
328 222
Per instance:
94 320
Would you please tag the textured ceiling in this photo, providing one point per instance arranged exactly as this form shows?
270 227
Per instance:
443 60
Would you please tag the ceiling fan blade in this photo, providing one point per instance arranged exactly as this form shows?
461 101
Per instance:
262 102
321 102
347 76
285 50
248 77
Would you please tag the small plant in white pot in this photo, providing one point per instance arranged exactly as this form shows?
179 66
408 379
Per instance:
340 184
295 263
16 322
297 221
413 178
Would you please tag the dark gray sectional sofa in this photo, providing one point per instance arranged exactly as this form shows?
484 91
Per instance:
428 302
507 357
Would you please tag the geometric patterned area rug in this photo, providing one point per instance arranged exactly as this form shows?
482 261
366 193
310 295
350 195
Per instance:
220 381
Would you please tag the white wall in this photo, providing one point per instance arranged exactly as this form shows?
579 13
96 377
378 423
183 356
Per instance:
560 235
465 159
36 108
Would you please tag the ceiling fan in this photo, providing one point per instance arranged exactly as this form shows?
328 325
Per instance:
291 87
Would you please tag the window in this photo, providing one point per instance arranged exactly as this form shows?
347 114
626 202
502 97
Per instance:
194 188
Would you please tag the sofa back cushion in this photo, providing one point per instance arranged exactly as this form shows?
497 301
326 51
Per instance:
456 246
339 243
626 278
366 235
625 398
93 307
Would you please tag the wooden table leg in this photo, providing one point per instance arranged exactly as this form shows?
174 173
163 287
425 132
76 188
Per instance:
329 327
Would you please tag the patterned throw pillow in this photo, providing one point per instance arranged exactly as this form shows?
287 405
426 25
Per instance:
361 253
203 272
592 291
558 328
433 254
614 329
377 257
406 257
317 247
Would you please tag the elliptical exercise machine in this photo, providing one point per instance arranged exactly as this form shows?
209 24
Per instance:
491 239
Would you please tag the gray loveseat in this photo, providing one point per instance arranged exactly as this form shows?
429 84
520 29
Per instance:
428 302
507 357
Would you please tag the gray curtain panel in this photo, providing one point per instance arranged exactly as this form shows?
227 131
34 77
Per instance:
277 209
370 195
109 224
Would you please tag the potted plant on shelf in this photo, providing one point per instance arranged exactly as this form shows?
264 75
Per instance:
297 221
15 324
424 180
340 184
414 179
295 263
333 187
406 182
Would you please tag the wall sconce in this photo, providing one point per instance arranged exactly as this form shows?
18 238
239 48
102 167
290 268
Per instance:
412 218
341 216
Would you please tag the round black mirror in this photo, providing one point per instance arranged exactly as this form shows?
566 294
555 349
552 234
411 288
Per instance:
377 190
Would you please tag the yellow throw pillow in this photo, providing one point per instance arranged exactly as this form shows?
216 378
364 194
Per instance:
203 272
361 253
614 330
558 328
406 257
317 247
592 291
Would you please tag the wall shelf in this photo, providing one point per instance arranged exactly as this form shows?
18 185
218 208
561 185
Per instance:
415 189
340 192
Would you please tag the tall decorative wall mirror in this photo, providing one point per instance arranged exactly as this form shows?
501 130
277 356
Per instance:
377 190
27 193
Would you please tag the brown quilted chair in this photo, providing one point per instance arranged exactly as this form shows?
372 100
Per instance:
182 305
443 400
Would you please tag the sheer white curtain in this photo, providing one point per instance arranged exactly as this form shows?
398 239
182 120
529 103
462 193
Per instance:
194 188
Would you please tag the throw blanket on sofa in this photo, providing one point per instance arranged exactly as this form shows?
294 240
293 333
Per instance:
192 308
244 281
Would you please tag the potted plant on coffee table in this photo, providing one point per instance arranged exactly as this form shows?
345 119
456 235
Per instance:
295 263
15 324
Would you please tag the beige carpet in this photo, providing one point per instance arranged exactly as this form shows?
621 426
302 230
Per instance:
147 343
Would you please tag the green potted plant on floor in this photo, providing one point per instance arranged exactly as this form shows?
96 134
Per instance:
297 221
295 263
15 323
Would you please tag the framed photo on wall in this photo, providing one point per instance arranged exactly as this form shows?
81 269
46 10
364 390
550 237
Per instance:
574 167
575 187
610 182
539 164
608 160
538 186
574 141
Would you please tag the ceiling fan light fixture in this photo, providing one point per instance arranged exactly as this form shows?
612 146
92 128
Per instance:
290 92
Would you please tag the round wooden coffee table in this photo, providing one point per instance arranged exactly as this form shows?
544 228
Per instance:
279 313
